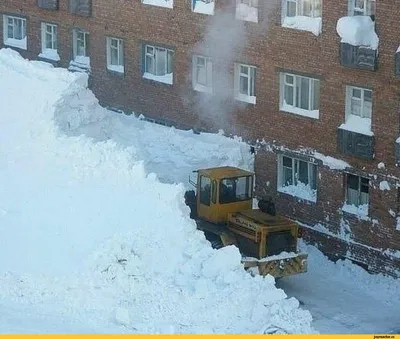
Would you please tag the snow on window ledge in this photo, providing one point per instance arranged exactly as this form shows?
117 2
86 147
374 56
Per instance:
204 8
304 23
358 30
357 124
246 98
116 68
165 79
299 111
160 3
300 191
80 63
360 211
202 88
50 54
18 43
246 12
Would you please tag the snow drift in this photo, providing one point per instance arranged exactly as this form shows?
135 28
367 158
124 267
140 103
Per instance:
90 236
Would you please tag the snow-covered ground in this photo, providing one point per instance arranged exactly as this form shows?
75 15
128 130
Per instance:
94 232
95 236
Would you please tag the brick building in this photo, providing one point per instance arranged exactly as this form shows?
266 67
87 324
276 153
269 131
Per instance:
321 110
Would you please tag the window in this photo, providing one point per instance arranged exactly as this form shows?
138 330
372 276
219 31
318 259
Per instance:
81 45
205 190
299 95
161 3
297 177
203 6
14 31
358 110
247 10
202 74
48 4
357 191
302 14
158 64
245 80
49 42
115 55
81 7
235 189
361 7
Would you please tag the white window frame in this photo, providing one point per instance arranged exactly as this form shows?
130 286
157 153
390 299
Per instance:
210 3
249 3
12 41
119 65
313 103
76 39
365 105
250 77
207 68
300 8
312 175
368 7
52 35
156 70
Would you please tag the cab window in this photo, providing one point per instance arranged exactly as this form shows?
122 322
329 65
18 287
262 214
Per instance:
205 190
235 189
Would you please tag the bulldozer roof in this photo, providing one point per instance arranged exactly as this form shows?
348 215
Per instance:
224 172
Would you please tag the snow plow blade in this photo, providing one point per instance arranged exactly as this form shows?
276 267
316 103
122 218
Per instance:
278 266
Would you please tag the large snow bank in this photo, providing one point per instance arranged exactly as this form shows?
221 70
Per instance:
90 236
358 31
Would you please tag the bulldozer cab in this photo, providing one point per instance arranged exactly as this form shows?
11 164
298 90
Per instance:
221 191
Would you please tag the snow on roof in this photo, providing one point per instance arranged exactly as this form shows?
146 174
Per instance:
358 31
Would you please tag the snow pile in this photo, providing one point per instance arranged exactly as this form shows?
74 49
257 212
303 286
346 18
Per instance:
161 3
304 23
361 211
300 190
89 235
50 54
358 31
357 124
384 186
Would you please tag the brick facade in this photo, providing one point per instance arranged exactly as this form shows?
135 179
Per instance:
272 49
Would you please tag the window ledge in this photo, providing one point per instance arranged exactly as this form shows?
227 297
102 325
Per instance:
22 44
246 98
159 3
299 192
358 125
314 114
165 79
116 69
304 23
49 54
202 88
361 212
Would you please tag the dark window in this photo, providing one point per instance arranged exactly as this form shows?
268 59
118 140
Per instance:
48 4
357 144
235 189
357 190
81 7
205 190
357 57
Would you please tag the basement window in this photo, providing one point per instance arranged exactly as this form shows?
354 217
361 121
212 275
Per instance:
297 178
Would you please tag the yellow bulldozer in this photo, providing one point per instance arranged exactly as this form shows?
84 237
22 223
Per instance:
222 206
